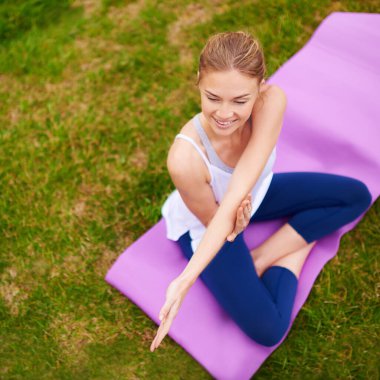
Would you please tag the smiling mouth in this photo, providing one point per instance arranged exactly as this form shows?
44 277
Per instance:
224 123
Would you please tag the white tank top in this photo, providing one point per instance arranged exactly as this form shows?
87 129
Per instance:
179 219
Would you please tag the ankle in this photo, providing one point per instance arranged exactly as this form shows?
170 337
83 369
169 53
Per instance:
260 266
255 253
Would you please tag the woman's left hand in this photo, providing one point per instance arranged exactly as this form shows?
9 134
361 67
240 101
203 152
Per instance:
175 295
242 218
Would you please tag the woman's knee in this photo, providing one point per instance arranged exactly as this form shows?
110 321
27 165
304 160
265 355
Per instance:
267 337
267 332
362 196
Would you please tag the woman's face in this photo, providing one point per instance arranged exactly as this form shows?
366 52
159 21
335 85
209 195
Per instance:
227 99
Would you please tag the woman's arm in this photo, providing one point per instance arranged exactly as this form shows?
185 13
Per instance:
267 123
189 175
188 172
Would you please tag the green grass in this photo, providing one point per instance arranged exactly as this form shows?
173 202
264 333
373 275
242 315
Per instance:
91 98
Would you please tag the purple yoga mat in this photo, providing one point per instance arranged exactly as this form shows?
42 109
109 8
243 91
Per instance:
332 126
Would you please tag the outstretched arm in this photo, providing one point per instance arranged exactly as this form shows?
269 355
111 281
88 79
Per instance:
267 124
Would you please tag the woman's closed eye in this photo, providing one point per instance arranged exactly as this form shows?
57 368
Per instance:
215 100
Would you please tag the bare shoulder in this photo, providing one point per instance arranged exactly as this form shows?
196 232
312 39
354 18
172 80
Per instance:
273 92
184 159
272 99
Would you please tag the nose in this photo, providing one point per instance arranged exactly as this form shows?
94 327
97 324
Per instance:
223 112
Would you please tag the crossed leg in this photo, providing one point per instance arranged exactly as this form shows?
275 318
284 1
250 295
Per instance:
317 204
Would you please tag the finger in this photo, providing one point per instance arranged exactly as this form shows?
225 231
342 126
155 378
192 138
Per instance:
153 344
249 200
160 338
160 335
166 323
163 313
164 329
246 204
156 339
249 206
165 310
241 216
247 213
231 237
163 318
239 224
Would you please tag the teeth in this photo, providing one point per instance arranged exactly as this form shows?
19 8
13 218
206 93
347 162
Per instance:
224 123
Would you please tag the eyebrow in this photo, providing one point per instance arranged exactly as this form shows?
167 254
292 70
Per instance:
236 97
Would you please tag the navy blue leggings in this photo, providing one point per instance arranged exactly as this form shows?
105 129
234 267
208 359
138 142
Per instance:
316 204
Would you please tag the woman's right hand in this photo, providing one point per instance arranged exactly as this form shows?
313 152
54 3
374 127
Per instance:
243 217
175 294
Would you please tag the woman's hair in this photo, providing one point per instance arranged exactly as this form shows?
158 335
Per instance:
232 50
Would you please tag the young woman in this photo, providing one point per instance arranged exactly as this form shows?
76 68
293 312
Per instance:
221 165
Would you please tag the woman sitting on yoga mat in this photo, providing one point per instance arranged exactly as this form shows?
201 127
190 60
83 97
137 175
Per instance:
221 165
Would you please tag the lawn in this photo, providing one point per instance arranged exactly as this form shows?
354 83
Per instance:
92 94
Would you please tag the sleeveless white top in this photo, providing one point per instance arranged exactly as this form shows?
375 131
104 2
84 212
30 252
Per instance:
179 219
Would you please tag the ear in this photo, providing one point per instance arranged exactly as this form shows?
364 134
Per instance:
261 86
